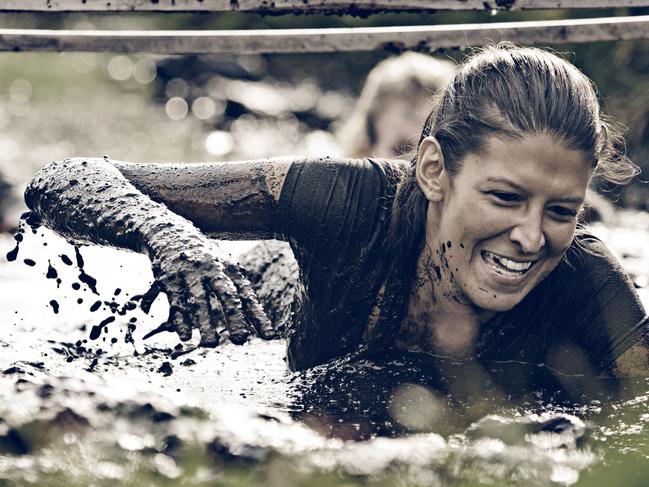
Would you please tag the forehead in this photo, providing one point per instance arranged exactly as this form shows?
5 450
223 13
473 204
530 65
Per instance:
535 162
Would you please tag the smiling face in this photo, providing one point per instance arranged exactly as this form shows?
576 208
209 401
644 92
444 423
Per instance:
502 224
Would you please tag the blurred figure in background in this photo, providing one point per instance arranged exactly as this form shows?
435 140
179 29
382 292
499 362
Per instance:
393 105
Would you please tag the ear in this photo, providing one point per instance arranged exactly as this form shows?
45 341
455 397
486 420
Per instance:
431 172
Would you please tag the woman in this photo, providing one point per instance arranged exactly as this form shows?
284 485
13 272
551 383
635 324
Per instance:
471 250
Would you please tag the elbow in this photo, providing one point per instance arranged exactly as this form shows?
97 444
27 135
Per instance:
51 182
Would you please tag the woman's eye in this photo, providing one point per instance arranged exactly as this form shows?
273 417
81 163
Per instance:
563 212
506 197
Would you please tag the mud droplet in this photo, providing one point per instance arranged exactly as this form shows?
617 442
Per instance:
29 262
76 286
79 258
89 281
95 332
117 292
95 306
66 260
438 271
51 271
55 306
108 320
93 364
12 254
165 369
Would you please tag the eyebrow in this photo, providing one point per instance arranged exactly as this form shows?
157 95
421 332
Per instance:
518 187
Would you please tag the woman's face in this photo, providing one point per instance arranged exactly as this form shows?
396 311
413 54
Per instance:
506 219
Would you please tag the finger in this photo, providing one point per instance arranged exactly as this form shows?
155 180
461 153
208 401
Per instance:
198 311
147 299
177 296
180 324
236 323
250 303
208 325
216 319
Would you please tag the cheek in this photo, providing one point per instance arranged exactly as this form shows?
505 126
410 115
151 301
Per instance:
472 225
559 238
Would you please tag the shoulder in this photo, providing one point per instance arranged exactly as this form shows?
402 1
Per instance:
336 180
611 318
589 258
306 167
595 280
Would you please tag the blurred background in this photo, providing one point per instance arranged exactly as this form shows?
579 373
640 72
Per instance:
197 108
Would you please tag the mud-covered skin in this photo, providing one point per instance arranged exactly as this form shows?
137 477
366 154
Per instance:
105 202
233 199
274 275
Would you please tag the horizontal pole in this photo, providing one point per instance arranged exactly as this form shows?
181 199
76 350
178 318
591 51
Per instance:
419 38
302 6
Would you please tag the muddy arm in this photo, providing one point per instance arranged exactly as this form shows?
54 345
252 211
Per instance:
226 200
130 206
105 202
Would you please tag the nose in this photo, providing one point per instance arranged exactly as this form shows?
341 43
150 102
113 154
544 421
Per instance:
528 234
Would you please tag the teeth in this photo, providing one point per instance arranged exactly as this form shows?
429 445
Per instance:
509 264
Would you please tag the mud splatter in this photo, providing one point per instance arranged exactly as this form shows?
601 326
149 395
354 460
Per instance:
13 254
89 281
84 277
165 369
438 271
96 330
51 271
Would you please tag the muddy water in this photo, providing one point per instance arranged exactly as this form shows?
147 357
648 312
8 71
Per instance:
86 401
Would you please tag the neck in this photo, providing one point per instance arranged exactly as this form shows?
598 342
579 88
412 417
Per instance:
439 318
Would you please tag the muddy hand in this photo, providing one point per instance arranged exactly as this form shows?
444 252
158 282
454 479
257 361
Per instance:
206 293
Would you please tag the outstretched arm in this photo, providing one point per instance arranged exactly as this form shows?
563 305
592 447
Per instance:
162 210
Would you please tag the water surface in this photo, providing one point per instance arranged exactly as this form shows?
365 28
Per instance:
77 410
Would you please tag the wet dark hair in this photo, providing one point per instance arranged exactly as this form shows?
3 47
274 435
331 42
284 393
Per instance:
508 91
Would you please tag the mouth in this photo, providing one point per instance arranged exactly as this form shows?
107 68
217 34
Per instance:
505 266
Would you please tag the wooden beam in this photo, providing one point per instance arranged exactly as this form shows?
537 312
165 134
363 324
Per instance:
420 38
301 6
